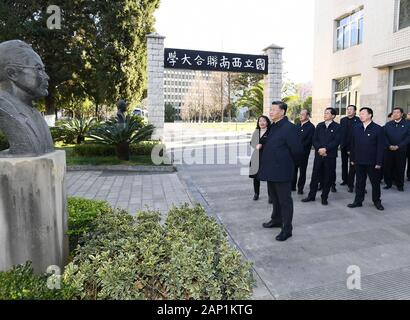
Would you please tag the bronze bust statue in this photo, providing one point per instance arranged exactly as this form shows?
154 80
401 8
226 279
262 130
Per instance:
121 109
22 80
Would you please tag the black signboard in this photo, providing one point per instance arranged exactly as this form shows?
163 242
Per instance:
215 61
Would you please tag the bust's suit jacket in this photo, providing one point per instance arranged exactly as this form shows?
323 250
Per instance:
24 127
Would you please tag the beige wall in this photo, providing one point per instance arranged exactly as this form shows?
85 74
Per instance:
381 49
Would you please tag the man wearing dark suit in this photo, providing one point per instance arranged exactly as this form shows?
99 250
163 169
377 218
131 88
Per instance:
347 124
306 130
408 151
326 141
367 150
397 134
282 150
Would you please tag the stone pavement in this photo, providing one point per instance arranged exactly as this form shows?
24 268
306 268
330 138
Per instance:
129 191
327 240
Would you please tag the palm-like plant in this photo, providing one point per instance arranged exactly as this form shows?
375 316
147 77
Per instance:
121 135
253 99
79 128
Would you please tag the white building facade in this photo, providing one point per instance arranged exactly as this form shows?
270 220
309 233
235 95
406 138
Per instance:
362 56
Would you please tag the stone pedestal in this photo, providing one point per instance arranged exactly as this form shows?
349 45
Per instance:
33 213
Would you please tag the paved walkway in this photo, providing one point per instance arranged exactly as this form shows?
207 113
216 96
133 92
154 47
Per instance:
311 265
129 191
327 240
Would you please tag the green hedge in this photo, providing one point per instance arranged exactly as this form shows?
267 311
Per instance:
59 134
122 257
100 150
81 217
21 283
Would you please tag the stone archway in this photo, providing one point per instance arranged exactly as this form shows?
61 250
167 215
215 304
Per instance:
155 68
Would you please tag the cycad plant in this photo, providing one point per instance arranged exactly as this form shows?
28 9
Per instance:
253 99
79 128
122 135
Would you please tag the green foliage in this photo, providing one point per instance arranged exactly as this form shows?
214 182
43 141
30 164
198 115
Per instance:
188 257
143 148
253 99
79 128
81 217
122 257
132 131
99 53
21 283
170 113
3 142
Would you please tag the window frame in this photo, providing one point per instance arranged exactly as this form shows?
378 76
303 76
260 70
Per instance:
341 29
397 22
352 96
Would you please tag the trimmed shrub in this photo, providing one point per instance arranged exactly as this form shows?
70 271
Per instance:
101 150
21 283
120 257
187 258
81 217
61 135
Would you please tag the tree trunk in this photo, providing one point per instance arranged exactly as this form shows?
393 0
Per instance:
50 107
123 151
96 110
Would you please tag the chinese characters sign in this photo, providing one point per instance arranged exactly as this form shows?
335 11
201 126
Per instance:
215 61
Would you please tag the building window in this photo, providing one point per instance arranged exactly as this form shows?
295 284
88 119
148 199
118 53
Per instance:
346 92
404 14
349 31
401 89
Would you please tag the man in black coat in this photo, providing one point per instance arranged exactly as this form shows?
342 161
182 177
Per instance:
306 130
367 149
408 151
326 141
397 134
347 124
282 150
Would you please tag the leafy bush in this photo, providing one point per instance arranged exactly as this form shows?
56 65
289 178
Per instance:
122 257
4 145
59 134
21 283
102 150
81 217
122 135
79 128
187 258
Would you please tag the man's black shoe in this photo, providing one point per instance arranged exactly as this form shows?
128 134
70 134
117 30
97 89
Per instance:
300 192
283 236
379 206
256 197
324 202
333 189
355 205
271 225
343 184
350 190
387 187
308 199
401 189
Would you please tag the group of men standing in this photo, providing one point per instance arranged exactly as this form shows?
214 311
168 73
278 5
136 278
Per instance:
367 150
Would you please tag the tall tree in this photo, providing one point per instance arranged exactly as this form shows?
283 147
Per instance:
99 52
